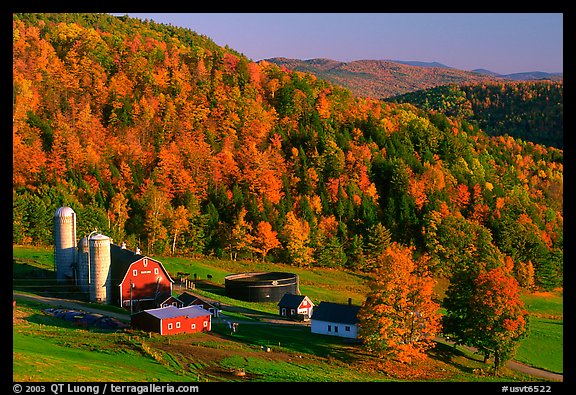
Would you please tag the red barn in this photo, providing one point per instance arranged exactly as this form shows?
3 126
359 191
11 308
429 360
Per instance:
138 281
171 320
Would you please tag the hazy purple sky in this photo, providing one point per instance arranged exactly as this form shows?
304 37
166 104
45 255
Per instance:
500 42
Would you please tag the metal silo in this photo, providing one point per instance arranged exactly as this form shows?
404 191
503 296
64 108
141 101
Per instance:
64 244
82 269
99 269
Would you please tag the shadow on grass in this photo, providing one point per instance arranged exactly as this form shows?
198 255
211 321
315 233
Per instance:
209 286
450 355
292 339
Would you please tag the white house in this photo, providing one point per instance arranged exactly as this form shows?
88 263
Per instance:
335 319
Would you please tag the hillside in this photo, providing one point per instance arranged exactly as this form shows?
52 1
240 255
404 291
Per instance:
156 136
382 78
530 110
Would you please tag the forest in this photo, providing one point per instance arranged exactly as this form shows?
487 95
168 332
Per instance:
158 137
529 110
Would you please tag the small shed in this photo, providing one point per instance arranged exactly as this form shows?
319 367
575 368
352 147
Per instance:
171 320
335 319
171 301
192 300
296 307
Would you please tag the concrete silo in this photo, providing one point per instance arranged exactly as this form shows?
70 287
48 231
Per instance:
82 268
64 244
99 262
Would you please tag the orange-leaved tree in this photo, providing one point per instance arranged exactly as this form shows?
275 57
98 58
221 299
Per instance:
266 239
399 317
499 315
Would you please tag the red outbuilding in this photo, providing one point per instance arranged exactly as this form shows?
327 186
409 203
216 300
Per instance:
296 307
171 320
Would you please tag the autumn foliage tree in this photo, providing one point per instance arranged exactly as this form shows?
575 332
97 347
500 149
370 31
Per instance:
399 317
265 239
499 315
296 235
484 310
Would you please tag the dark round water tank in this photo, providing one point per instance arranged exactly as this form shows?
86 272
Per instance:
261 287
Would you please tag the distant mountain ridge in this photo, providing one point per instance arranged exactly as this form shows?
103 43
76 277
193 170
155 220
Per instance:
523 76
386 78
422 64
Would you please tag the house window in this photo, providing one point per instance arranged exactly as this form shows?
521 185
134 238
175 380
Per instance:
193 326
145 262
178 324
329 328
134 272
205 324
292 312
155 270
347 328
335 329
169 326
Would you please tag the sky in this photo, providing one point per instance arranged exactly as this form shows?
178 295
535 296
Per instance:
500 42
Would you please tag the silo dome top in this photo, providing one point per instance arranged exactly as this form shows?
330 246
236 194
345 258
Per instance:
64 212
99 236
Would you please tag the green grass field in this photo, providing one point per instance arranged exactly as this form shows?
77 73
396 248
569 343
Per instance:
543 347
45 349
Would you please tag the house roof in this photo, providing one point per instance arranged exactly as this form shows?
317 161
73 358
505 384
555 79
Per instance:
187 298
336 312
291 300
173 311
167 298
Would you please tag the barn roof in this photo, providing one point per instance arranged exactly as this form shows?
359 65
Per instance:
172 312
336 312
291 300
122 258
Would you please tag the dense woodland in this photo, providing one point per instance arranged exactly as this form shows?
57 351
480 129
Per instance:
158 137
530 110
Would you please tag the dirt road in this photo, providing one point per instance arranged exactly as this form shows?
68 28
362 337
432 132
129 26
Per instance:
71 304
